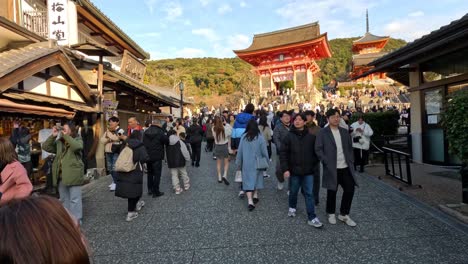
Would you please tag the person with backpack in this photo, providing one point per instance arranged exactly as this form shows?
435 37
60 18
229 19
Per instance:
129 174
177 156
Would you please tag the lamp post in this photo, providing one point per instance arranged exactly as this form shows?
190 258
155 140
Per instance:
181 88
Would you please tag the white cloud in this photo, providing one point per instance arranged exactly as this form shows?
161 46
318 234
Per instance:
238 41
157 55
243 4
150 4
208 33
148 34
296 13
190 53
413 27
205 2
224 9
416 14
173 10
187 22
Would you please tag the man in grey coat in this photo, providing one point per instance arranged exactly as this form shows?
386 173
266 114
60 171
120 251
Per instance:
334 148
279 134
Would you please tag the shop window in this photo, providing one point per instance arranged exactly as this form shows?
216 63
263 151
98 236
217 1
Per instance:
433 101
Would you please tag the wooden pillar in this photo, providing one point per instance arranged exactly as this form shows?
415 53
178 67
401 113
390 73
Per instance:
100 123
417 108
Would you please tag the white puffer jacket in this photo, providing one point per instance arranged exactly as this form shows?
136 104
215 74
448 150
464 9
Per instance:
364 142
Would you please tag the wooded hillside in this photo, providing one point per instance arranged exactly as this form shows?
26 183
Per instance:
212 76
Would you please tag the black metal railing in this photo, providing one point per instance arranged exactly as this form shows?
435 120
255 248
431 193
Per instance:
397 165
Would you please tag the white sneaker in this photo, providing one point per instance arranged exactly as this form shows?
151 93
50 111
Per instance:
292 212
109 185
315 223
280 186
287 193
332 219
140 205
347 220
131 216
241 194
178 191
112 187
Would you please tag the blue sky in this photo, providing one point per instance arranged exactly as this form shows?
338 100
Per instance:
213 28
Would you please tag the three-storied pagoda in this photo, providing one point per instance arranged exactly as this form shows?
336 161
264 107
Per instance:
365 50
288 54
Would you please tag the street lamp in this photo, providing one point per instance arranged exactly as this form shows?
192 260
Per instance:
181 88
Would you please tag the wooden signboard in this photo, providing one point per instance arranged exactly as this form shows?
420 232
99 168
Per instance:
132 67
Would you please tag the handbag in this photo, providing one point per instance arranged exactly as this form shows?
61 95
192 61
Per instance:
238 177
261 163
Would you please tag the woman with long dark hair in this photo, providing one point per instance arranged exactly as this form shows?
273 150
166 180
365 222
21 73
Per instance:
209 135
48 233
252 149
14 181
67 169
221 134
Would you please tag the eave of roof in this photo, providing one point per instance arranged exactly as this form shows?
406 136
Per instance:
370 38
142 87
438 38
37 57
440 33
279 38
20 30
112 26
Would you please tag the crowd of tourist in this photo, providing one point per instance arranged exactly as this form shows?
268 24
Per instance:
313 149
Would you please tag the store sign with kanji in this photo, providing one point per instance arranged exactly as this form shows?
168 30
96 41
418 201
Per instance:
58 20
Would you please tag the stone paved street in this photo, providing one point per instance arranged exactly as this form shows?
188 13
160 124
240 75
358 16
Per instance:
210 224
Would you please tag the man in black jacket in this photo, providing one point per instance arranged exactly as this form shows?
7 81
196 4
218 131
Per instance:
195 137
155 139
299 162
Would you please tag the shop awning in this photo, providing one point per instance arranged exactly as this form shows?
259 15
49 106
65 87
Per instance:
12 107
49 100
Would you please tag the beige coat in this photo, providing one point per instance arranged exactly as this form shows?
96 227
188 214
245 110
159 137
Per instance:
107 140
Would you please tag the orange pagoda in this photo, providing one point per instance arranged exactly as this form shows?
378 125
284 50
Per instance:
365 50
288 54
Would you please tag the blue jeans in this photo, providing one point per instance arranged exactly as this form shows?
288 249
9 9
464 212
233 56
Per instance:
307 184
111 158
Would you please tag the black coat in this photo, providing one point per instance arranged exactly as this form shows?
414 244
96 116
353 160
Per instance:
195 134
297 153
175 158
154 140
130 184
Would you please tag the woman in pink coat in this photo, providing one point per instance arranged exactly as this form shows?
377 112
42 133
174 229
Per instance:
14 181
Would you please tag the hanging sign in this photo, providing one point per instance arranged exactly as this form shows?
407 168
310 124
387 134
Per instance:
283 77
57 13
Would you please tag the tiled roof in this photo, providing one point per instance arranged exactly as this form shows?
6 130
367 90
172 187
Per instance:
142 87
16 58
283 37
368 37
364 59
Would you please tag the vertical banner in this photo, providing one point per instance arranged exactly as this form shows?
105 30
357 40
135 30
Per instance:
57 13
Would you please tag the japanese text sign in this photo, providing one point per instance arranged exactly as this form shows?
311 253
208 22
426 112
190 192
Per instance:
58 21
